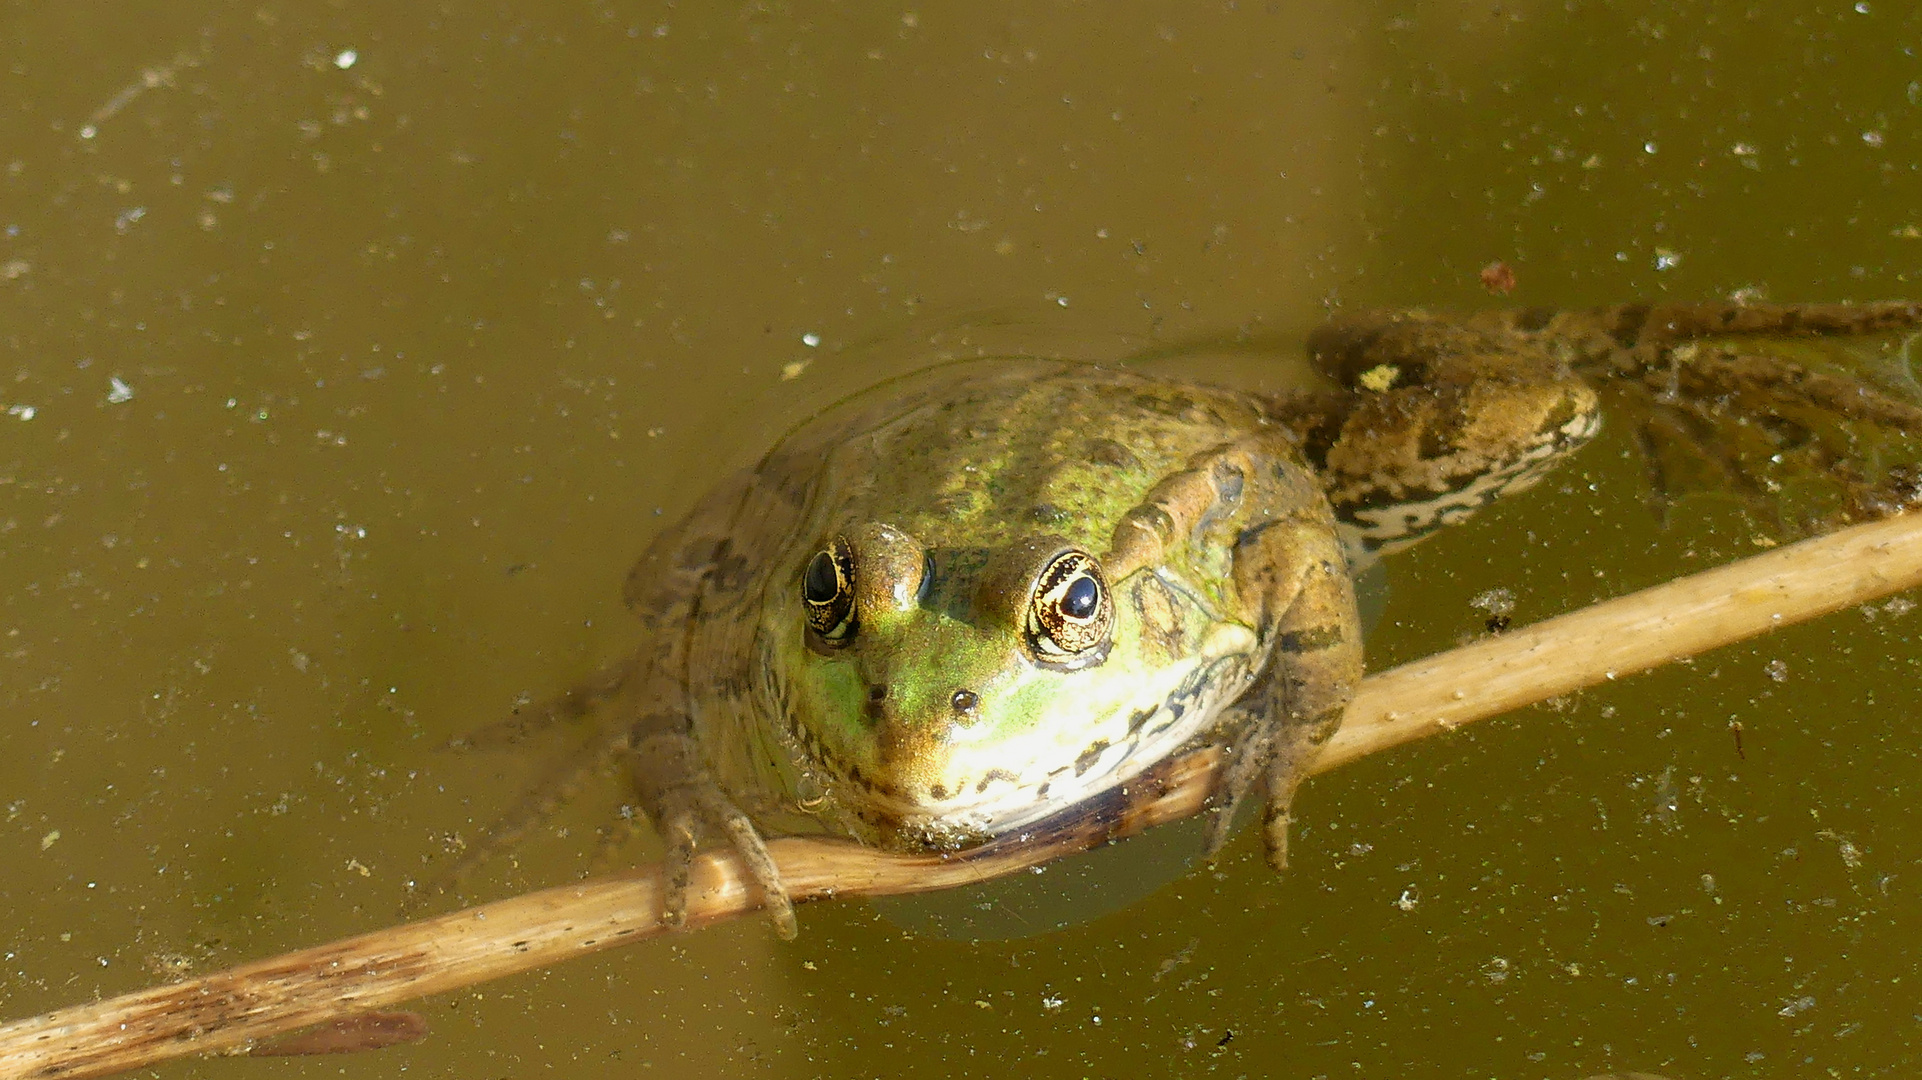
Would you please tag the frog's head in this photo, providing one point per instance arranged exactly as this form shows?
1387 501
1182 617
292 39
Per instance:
945 694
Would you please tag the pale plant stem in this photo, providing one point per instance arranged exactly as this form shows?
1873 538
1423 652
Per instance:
232 1010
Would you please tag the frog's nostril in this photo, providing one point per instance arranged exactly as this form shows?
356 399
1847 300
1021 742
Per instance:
877 706
964 701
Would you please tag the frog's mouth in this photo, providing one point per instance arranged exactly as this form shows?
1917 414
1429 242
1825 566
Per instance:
977 792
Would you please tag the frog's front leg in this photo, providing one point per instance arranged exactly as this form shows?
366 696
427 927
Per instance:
1292 576
668 587
1257 501
689 808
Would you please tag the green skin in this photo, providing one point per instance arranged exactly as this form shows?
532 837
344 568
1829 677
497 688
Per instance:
962 601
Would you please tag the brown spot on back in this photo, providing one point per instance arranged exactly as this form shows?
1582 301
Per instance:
1112 454
958 504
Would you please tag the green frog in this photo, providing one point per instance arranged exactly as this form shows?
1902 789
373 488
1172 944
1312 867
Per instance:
955 604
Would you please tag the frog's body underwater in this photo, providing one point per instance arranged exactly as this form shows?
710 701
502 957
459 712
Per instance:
960 602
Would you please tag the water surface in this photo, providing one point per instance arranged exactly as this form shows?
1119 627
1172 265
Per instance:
351 353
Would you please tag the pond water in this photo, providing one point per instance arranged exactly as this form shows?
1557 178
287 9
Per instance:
350 353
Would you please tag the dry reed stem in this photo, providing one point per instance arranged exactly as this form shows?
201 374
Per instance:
232 1010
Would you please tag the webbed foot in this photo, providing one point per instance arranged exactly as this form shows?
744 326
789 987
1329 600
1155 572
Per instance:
1810 414
1272 759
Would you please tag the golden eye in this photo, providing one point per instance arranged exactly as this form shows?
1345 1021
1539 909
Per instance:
827 591
1071 616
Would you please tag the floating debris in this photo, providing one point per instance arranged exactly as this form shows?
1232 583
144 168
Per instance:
1799 1005
1499 278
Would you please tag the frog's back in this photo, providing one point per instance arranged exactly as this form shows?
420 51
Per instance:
982 452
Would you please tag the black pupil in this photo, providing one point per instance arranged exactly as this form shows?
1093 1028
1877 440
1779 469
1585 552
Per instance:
1080 600
820 584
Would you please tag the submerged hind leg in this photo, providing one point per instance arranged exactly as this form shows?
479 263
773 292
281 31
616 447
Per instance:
1810 414
542 800
530 720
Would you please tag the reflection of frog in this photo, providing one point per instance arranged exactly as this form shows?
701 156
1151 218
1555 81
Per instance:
962 601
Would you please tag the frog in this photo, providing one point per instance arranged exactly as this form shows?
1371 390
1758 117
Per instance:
951 606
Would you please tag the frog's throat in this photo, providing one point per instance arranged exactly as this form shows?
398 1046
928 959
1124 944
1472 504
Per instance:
981 792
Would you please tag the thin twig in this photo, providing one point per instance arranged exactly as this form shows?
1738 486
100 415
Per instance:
232 1010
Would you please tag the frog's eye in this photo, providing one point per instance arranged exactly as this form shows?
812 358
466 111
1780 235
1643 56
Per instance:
1071 617
827 591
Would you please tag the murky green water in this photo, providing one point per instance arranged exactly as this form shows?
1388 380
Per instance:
349 353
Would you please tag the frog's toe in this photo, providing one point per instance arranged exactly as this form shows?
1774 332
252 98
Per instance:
677 870
1274 835
760 867
1284 775
1275 819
